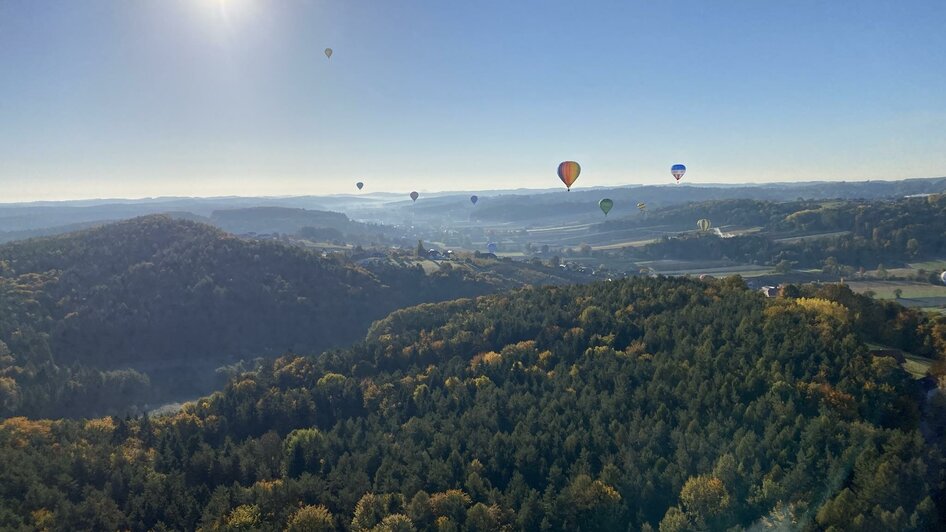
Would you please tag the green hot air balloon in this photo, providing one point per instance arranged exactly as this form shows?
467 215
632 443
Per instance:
605 205
703 224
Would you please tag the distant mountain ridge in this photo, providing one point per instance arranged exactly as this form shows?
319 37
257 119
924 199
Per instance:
494 205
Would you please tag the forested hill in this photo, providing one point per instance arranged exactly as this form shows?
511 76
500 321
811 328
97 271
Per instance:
837 235
638 404
173 300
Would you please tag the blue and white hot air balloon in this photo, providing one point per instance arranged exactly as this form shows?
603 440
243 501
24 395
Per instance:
677 171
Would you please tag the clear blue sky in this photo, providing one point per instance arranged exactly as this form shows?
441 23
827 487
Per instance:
214 97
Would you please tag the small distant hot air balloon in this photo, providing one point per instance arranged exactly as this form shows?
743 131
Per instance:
328 53
703 224
942 277
492 247
568 172
677 171
414 196
642 206
605 205
474 199
360 185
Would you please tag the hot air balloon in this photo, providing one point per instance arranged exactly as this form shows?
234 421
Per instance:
605 205
642 206
414 196
360 185
474 199
703 224
677 171
492 247
942 277
568 172
328 53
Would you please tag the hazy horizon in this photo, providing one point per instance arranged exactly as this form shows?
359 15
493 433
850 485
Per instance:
426 192
235 97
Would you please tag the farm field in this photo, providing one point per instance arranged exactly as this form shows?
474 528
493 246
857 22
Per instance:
914 294
911 289
930 265
628 244
794 239
916 366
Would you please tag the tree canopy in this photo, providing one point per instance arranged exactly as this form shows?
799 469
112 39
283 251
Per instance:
637 404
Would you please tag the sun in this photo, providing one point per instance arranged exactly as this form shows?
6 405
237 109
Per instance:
227 13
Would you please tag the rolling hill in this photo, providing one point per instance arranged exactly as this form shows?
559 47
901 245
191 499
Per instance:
640 404
113 318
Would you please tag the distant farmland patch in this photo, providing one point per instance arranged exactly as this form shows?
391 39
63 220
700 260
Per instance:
796 239
930 265
914 294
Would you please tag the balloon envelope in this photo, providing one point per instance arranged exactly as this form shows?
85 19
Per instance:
568 172
942 277
360 185
703 224
677 171
474 199
605 205
414 196
328 53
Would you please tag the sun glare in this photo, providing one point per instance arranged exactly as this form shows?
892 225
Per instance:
227 14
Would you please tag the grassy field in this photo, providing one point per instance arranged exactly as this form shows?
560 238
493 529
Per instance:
911 289
915 294
715 268
916 366
795 239
930 265
620 245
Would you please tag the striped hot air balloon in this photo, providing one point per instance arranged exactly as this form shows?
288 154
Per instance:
703 224
568 172
677 171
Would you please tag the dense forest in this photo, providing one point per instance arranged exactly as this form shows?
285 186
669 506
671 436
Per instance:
112 318
641 404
